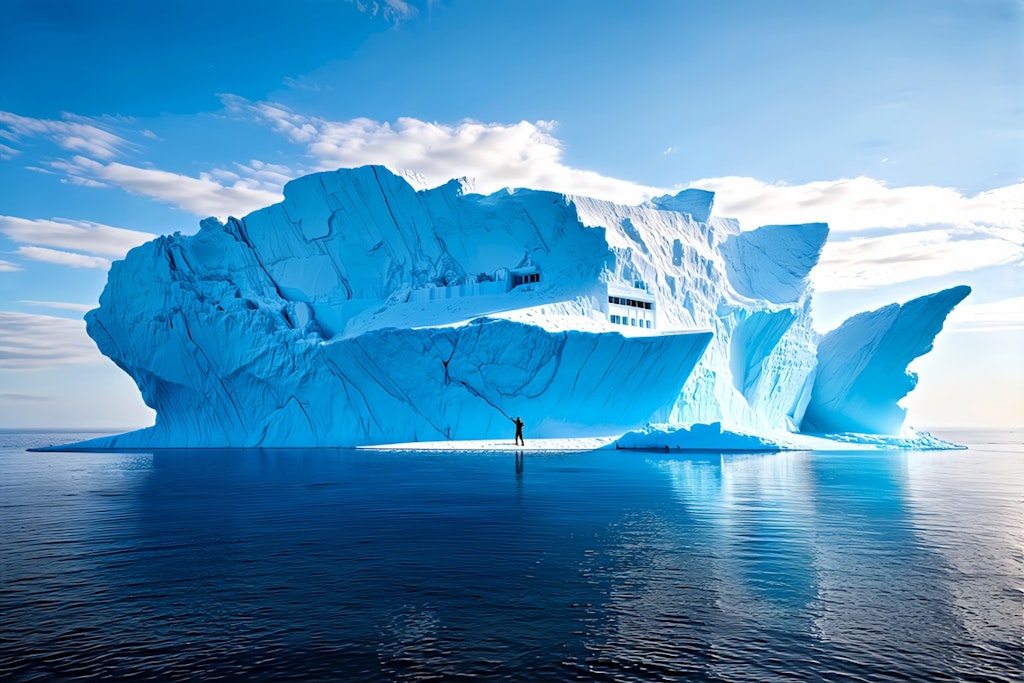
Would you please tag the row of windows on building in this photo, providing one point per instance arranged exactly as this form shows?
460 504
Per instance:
633 322
629 302
525 278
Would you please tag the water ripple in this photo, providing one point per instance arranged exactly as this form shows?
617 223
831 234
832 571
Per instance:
601 566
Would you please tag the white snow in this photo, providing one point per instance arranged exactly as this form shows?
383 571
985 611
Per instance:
713 437
489 445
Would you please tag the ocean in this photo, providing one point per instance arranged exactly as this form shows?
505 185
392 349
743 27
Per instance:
323 565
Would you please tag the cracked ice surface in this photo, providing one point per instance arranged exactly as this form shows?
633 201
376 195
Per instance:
362 311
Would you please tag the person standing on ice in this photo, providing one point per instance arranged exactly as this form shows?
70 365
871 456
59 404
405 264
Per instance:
519 431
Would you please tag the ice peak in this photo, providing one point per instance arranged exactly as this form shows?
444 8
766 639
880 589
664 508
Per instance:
773 262
697 203
862 364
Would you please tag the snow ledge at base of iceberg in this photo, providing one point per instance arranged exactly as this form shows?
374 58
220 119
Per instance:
715 438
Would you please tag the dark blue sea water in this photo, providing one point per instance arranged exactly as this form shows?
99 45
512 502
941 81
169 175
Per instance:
607 566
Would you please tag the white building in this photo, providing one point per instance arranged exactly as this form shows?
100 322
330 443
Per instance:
631 307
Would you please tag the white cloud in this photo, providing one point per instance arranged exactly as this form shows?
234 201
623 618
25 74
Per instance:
87 236
528 154
862 203
301 83
495 155
883 236
392 10
83 182
9 267
61 305
73 133
203 196
257 174
869 262
63 258
994 316
38 342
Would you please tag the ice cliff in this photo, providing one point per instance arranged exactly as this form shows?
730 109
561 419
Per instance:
361 311
862 365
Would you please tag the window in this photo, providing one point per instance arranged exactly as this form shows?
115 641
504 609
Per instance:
623 301
632 321
615 320
524 278
648 324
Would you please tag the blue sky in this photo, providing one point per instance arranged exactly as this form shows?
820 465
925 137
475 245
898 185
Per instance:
900 123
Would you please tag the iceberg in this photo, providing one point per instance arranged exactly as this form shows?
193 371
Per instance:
862 365
362 311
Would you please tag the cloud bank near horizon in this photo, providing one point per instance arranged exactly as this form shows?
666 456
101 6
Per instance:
39 342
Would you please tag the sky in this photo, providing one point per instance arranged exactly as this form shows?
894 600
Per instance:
900 123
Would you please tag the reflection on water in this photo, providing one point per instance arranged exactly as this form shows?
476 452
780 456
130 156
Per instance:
987 506
433 566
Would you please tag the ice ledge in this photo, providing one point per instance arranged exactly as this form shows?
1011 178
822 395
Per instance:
713 437
698 437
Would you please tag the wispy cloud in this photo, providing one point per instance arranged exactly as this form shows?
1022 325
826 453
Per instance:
528 154
72 133
880 235
869 262
94 238
862 203
495 155
9 267
203 196
884 235
63 258
392 10
60 305
994 316
38 342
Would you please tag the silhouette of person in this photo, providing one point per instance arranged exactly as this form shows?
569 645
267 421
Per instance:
519 431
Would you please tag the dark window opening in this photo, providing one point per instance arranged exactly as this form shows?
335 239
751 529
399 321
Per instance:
526 278
632 303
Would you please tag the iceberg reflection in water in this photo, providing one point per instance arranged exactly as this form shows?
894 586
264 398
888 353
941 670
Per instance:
401 565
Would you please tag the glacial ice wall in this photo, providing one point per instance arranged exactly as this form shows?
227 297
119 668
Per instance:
361 311
862 365
750 288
